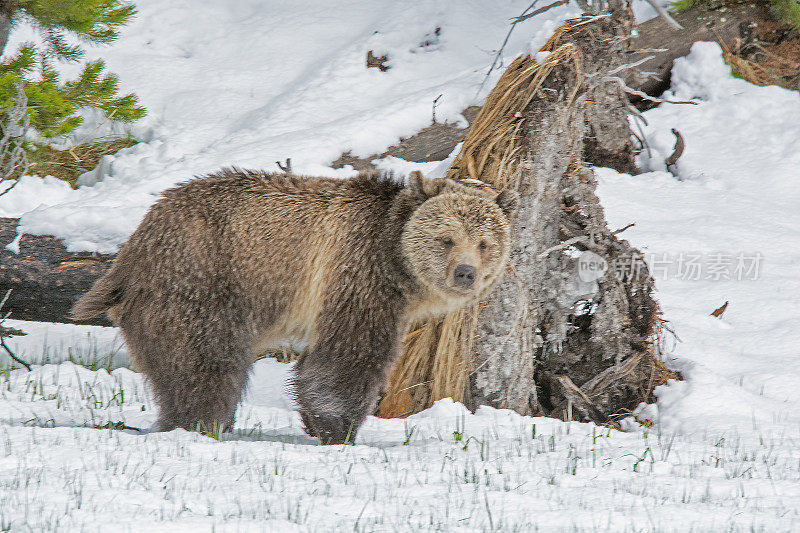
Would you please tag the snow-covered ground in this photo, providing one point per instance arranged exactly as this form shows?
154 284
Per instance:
249 83
443 469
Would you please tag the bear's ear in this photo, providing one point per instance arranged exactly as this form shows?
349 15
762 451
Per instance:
422 188
508 201
416 184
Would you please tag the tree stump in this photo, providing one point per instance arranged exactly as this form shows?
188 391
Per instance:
547 341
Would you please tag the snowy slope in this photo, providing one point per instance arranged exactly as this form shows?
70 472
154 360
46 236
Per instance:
724 454
732 210
250 82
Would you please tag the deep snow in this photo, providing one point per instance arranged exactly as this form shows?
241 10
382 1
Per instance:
724 452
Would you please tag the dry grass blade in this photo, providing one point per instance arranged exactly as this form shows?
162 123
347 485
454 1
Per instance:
411 372
491 150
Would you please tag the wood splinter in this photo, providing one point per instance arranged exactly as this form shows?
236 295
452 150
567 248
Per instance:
581 401
677 152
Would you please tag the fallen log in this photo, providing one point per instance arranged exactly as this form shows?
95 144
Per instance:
45 280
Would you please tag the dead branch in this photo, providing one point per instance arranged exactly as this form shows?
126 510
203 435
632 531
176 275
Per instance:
628 66
14 357
620 230
9 332
433 109
581 401
13 158
540 10
586 19
516 20
285 167
640 94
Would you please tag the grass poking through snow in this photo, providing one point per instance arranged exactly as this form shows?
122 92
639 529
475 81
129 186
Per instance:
443 470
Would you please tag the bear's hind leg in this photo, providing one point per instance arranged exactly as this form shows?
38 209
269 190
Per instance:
198 374
201 399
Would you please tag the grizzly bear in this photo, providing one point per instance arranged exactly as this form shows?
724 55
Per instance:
223 267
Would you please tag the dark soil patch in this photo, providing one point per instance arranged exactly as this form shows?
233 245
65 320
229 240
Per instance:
432 143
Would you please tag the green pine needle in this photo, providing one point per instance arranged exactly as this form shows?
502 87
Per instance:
52 102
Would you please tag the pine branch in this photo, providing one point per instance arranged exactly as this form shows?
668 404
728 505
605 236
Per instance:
53 103
96 21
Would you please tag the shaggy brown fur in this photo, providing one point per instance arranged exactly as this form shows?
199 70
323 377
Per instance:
229 264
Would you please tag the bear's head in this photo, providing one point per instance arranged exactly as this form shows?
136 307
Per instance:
456 241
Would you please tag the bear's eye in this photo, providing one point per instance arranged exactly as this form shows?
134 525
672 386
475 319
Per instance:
483 245
447 241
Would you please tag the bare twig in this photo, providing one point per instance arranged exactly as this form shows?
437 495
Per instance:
630 65
7 332
285 167
620 230
671 22
9 188
540 10
639 120
12 153
588 19
433 109
648 50
643 95
502 46
14 357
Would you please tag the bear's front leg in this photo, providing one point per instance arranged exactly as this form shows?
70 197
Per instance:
337 383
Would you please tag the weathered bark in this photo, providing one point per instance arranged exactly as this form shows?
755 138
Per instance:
45 280
508 323
544 330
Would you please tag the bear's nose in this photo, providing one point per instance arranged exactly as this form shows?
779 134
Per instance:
464 275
